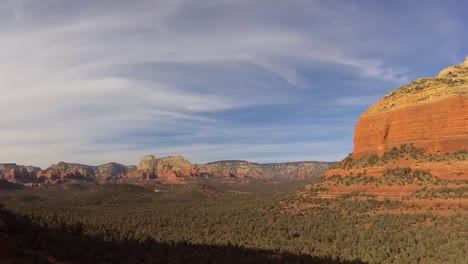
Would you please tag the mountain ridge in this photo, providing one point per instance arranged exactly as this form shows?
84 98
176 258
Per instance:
171 169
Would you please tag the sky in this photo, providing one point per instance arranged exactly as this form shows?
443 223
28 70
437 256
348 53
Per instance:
259 80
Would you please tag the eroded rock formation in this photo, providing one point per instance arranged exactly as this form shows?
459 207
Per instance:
431 113
68 171
174 169
413 141
63 170
112 170
13 172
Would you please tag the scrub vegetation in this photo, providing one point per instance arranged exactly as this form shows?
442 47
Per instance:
210 223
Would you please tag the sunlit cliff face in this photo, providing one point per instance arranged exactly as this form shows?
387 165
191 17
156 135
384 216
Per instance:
430 113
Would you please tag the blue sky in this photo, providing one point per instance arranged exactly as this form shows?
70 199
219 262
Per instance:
266 81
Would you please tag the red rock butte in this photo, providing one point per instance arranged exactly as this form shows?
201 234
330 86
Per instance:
431 113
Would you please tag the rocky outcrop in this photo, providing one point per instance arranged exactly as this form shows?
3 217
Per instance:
298 170
418 125
147 164
111 171
174 168
13 172
67 171
431 113
168 168
238 169
289 170
413 140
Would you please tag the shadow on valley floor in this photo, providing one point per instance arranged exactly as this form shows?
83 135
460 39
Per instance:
31 243
8 186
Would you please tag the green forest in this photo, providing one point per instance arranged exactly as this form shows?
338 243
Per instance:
210 223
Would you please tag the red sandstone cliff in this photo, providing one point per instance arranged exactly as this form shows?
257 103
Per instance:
431 113
413 140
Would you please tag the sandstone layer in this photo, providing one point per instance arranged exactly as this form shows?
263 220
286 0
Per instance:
431 113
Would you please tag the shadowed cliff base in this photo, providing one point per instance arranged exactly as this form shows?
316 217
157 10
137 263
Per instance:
29 242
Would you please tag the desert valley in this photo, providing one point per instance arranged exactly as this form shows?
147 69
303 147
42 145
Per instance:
243 132
400 197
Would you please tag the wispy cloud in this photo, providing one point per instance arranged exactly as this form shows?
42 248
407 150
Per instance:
75 73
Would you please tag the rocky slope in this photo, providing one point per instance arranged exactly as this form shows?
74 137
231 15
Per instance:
431 113
174 169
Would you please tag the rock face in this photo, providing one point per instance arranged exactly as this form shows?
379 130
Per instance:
237 169
68 171
147 164
288 170
13 172
111 171
409 144
63 170
153 167
168 168
431 113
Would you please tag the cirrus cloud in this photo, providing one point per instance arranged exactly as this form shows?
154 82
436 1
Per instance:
92 82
